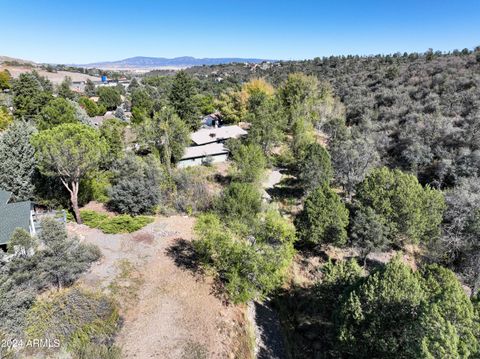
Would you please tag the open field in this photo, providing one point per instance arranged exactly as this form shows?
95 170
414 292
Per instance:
55 77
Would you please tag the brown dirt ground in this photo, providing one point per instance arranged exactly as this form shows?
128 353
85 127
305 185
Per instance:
55 77
175 313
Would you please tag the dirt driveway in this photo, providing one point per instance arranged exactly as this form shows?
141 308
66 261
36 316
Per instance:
175 313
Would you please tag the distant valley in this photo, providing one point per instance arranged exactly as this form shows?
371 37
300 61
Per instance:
141 62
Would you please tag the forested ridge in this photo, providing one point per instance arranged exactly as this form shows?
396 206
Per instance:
421 110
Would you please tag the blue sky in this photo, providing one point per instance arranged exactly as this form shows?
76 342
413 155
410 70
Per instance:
71 31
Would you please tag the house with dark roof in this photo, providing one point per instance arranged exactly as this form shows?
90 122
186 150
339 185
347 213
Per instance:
14 215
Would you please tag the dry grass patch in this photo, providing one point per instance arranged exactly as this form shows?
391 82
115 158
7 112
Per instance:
124 288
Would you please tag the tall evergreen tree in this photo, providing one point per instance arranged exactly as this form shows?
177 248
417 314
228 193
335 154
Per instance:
133 84
167 135
183 101
324 218
58 111
31 92
267 121
64 89
315 167
17 162
90 88
249 163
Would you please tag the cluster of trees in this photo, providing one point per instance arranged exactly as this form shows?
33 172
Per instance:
57 263
419 112
52 152
385 155
391 312
413 112
250 250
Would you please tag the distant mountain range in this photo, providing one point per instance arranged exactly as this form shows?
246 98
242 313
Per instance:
140 62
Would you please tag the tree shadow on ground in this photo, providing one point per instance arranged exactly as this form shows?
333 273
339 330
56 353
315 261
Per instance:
305 321
184 256
224 180
287 189
271 333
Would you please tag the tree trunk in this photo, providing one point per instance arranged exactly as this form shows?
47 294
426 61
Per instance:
74 200
73 197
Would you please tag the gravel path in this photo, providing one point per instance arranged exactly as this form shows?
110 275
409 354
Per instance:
274 176
269 342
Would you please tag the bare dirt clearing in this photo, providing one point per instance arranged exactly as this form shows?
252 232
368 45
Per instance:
55 77
174 313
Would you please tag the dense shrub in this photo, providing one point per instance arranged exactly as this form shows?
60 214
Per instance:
79 319
324 218
239 202
192 193
96 187
405 210
135 186
249 163
249 266
116 224
58 262
63 259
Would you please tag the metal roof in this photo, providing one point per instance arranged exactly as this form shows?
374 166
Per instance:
211 149
4 197
215 134
12 216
